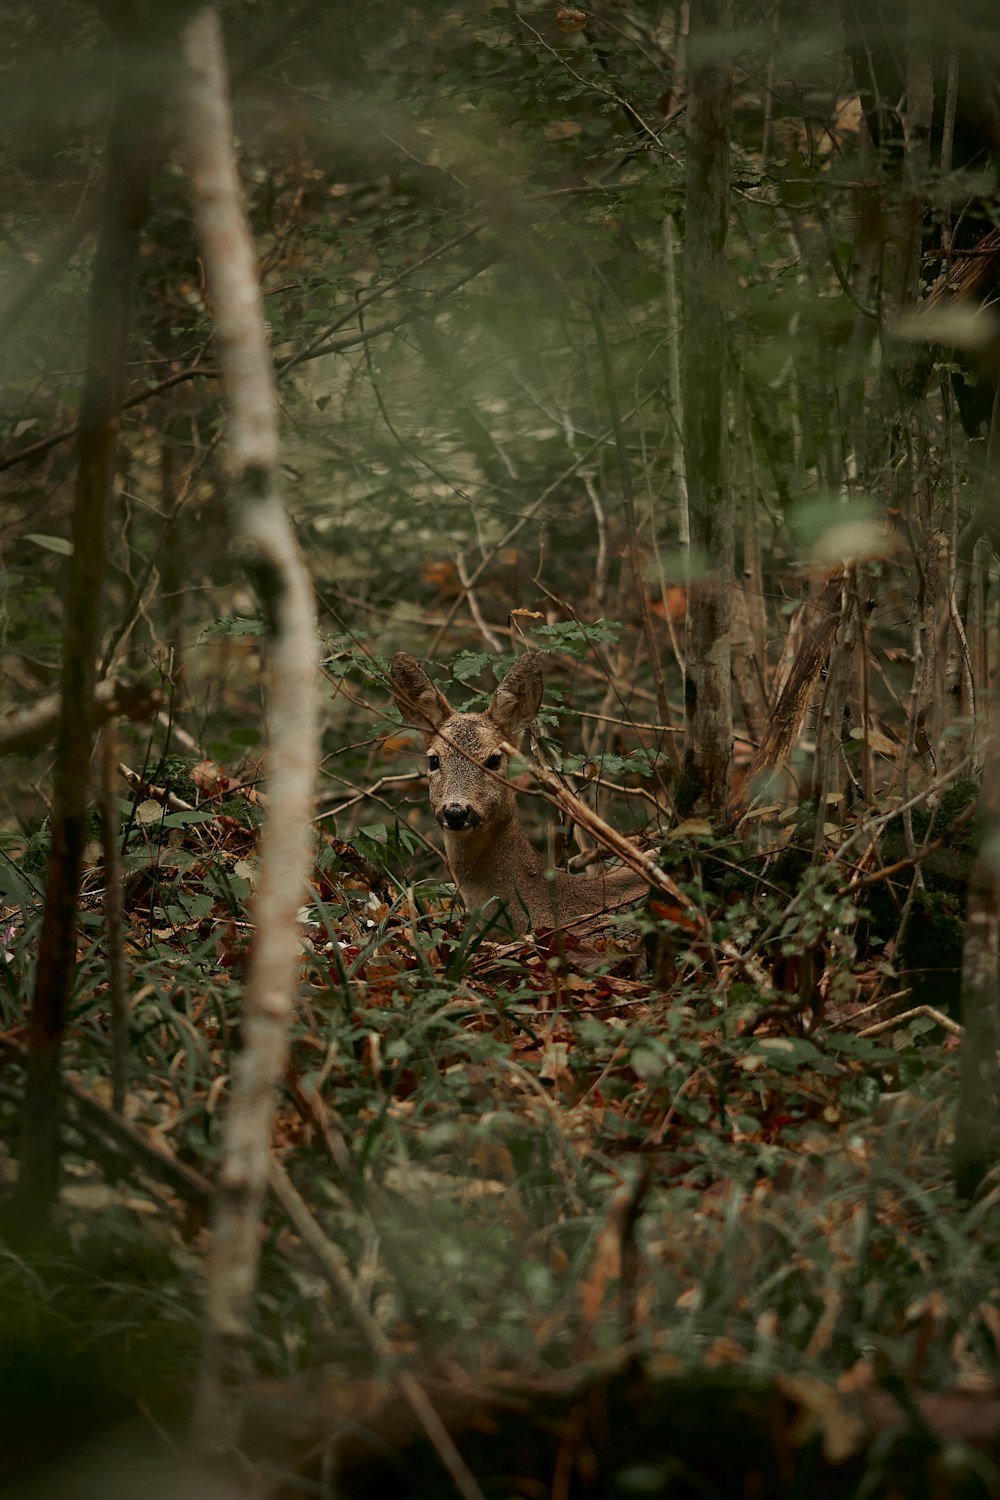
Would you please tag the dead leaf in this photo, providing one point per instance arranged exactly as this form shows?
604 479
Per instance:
568 18
555 1061
605 1267
562 130
821 1408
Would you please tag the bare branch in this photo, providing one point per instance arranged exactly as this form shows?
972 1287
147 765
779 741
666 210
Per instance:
263 527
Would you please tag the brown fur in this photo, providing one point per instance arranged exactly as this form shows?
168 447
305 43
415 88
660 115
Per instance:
488 854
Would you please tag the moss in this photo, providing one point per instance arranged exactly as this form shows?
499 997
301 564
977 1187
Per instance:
930 949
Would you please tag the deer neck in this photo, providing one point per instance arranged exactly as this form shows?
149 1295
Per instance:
496 864
491 862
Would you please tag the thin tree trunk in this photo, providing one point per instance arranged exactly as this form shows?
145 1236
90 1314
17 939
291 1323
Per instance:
708 696
114 923
263 527
977 1125
131 152
677 468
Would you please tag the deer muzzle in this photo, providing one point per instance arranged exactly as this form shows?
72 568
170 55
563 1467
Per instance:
457 817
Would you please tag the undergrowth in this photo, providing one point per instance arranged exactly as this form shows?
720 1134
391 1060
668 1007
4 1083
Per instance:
531 1159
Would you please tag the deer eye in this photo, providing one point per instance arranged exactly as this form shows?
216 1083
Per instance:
494 761
433 762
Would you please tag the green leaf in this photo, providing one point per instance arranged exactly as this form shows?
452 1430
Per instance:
51 543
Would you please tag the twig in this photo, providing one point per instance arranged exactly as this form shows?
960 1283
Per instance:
95 1117
615 842
532 511
484 630
870 827
881 1027
631 113
29 728
169 799
861 882
334 1265
601 561
362 793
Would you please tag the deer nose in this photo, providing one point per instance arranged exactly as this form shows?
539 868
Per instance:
456 816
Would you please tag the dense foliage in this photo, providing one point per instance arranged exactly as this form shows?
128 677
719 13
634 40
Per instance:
707 1138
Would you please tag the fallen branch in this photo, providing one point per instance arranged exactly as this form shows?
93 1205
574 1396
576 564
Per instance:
939 1016
32 726
616 843
334 1265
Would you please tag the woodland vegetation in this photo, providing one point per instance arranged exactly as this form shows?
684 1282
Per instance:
659 338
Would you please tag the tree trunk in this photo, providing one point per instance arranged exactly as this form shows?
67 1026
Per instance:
708 696
131 152
264 530
977 1128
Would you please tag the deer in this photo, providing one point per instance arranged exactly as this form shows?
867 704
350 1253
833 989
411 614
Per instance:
491 860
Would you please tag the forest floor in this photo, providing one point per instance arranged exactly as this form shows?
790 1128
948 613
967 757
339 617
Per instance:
588 1188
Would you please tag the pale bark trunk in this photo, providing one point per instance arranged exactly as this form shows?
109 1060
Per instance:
264 529
708 697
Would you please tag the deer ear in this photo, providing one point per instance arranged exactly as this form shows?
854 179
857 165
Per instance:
518 698
416 697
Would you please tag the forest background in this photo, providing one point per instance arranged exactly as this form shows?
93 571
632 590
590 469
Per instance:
655 337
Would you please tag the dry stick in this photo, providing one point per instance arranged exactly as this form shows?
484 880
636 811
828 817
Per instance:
262 524
31 727
97 1118
473 602
315 346
213 372
948 141
529 515
867 829
361 793
886 872
615 842
601 561
746 670
629 110
867 763
881 1027
134 604
708 692
923 635
786 719
177 1175
113 920
162 794
753 576
334 1264
829 752
34 450
131 152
